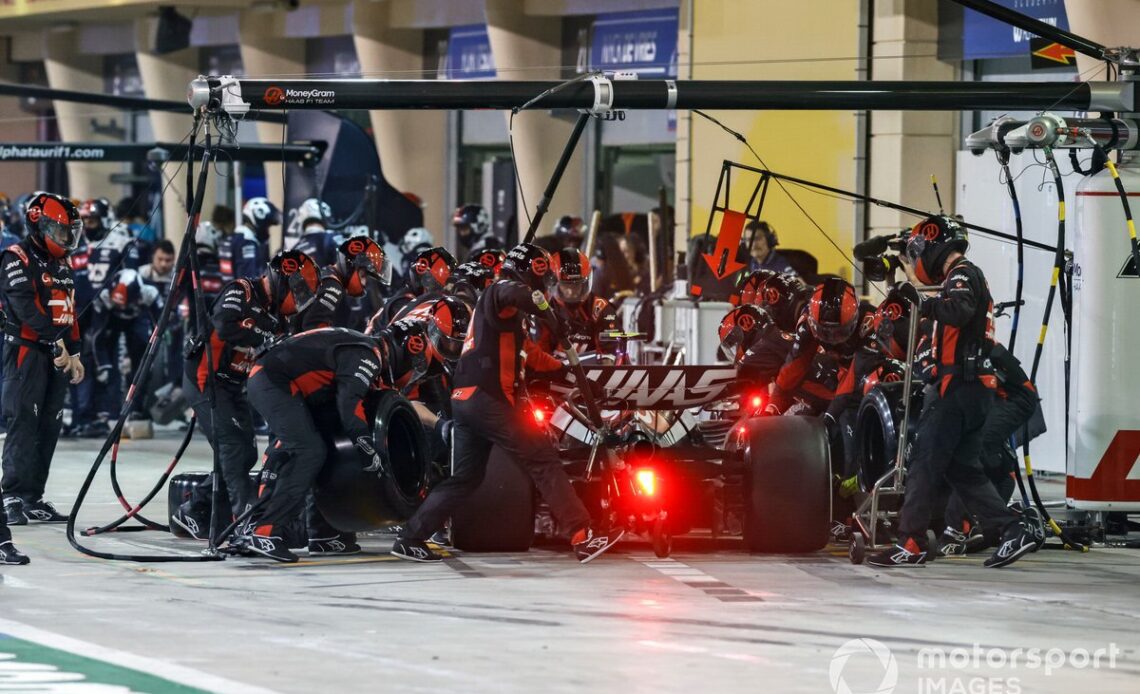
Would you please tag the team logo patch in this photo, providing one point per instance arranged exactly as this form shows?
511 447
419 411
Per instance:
746 322
421 266
416 344
539 266
771 295
929 231
47 280
274 96
356 246
289 266
893 311
487 260
34 214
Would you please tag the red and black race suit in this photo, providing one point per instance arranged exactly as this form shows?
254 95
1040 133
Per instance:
327 367
583 324
240 322
497 347
805 371
963 326
765 355
39 297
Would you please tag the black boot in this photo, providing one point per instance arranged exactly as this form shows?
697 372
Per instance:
272 547
43 512
1018 538
14 511
10 556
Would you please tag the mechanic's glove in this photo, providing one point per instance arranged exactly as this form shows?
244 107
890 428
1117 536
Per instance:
368 453
909 292
771 410
75 368
103 374
59 354
443 429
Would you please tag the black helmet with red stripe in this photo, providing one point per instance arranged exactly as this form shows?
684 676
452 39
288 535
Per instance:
890 324
783 297
833 312
360 260
53 223
293 281
738 330
931 242
449 320
572 268
531 265
750 289
431 270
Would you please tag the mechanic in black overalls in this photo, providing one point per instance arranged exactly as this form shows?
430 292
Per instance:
41 353
351 289
584 317
292 386
487 378
248 315
948 438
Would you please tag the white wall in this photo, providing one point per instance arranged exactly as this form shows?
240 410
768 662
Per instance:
982 198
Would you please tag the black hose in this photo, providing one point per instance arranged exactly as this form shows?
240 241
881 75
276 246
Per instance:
147 359
1058 263
133 511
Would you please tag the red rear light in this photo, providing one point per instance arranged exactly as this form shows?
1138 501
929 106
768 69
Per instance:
646 482
539 416
756 401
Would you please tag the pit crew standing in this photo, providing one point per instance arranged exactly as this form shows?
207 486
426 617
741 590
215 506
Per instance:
483 401
42 339
473 230
948 438
583 315
245 252
7 238
248 315
127 307
291 386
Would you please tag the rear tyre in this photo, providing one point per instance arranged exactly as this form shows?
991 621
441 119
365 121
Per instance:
499 516
787 486
662 540
353 500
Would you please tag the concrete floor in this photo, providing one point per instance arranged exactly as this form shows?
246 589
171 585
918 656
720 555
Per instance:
710 619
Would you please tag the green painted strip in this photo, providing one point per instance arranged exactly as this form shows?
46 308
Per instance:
23 662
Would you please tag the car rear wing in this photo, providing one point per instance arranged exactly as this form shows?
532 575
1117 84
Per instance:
658 387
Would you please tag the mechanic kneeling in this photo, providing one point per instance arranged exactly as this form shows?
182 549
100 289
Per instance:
290 386
486 381
948 439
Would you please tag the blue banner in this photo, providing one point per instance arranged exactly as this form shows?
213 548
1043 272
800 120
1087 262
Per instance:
642 42
983 37
469 53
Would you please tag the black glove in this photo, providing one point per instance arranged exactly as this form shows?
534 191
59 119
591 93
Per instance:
368 454
909 292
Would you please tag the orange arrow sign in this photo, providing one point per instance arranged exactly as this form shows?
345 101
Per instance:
1057 53
722 261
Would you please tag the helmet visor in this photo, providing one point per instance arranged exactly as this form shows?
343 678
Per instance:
730 345
573 291
831 333
60 233
449 347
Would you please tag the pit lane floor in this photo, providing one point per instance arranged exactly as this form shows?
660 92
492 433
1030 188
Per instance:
710 619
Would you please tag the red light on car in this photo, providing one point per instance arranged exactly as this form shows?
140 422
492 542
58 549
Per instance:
646 482
539 416
740 430
756 400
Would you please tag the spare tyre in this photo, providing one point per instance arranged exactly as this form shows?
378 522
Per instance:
353 500
499 516
787 485
876 434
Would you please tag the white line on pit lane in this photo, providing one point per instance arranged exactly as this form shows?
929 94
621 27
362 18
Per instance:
169 671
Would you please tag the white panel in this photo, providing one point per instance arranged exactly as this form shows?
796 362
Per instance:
983 200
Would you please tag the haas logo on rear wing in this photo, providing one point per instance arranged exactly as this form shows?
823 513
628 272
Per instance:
661 387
